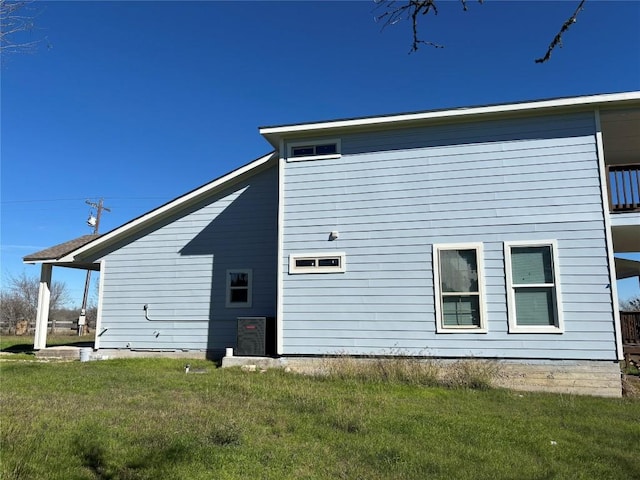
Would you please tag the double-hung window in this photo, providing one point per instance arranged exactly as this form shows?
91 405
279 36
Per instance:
459 288
239 288
533 287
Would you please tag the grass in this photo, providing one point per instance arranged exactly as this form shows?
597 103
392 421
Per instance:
147 419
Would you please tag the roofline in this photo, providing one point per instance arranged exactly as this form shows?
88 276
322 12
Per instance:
168 208
274 133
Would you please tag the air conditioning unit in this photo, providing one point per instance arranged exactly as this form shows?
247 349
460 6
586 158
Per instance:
256 336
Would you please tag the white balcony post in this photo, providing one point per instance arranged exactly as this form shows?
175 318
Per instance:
42 316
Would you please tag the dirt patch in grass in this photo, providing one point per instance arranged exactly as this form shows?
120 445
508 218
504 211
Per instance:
631 386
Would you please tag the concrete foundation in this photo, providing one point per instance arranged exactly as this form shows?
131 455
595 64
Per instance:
574 377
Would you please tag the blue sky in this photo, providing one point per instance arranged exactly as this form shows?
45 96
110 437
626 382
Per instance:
140 102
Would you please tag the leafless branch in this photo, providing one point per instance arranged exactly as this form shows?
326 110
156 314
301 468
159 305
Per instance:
557 40
17 20
410 10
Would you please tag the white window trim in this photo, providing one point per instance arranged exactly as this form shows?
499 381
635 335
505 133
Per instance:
228 302
291 146
440 327
511 298
293 269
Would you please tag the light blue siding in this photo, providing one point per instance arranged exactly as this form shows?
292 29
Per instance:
178 268
394 194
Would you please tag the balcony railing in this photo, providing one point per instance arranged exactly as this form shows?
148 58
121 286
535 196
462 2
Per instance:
624 187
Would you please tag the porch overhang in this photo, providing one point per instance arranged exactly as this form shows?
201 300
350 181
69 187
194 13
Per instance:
56 255
626 268
625 231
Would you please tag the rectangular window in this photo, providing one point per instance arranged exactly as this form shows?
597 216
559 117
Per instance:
459 288
239 288
532 287
333 262
321 150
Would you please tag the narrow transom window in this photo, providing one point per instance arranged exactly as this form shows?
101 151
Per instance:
532 287
333 262
325 149
459 295
239 288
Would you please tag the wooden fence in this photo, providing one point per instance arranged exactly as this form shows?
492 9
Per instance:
630 324
28 328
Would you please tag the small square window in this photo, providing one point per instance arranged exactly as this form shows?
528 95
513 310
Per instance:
239 288
327 149
303 151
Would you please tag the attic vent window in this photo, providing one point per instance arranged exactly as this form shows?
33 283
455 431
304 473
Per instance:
317 262
314 150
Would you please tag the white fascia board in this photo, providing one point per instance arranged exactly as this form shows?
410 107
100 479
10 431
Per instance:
272 133
166 209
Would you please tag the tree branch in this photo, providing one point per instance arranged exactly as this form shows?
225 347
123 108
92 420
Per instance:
15 21
411 10
558 38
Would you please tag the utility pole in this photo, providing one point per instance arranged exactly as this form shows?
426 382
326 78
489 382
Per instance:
95 223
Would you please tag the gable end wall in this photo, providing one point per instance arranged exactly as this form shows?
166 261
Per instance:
395 193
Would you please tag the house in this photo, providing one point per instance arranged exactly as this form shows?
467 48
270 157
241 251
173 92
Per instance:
484 232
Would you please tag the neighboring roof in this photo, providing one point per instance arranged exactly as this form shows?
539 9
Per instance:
70 254
58 251
274 134
626 268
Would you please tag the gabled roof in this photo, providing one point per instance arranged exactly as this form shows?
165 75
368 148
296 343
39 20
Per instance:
71 251
58 251
274 134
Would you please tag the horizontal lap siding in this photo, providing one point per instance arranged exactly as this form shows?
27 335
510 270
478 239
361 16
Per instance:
179 270
393 194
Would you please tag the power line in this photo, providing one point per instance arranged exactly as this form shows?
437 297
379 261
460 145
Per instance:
76 199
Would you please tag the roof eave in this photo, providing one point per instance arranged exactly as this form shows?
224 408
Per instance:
273 134
164 211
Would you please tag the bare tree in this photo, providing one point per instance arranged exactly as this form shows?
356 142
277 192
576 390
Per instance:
19 300
631 304
412 10
17 26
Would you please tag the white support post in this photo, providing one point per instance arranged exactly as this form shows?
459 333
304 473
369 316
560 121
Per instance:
44 295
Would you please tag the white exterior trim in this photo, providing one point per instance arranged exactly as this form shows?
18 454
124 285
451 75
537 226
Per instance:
166 209
96 344
280 256
294 270
42 314
479 248
291 146
604 188
560 103
511 301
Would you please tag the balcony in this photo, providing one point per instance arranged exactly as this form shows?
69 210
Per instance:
624 188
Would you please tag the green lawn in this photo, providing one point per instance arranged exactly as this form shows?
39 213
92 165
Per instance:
147 419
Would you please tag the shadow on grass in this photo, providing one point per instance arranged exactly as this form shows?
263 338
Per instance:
28 347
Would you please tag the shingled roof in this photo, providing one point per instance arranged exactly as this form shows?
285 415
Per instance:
59 251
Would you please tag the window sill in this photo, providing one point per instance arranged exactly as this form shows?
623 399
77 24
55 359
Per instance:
454 330
314 157
533 329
